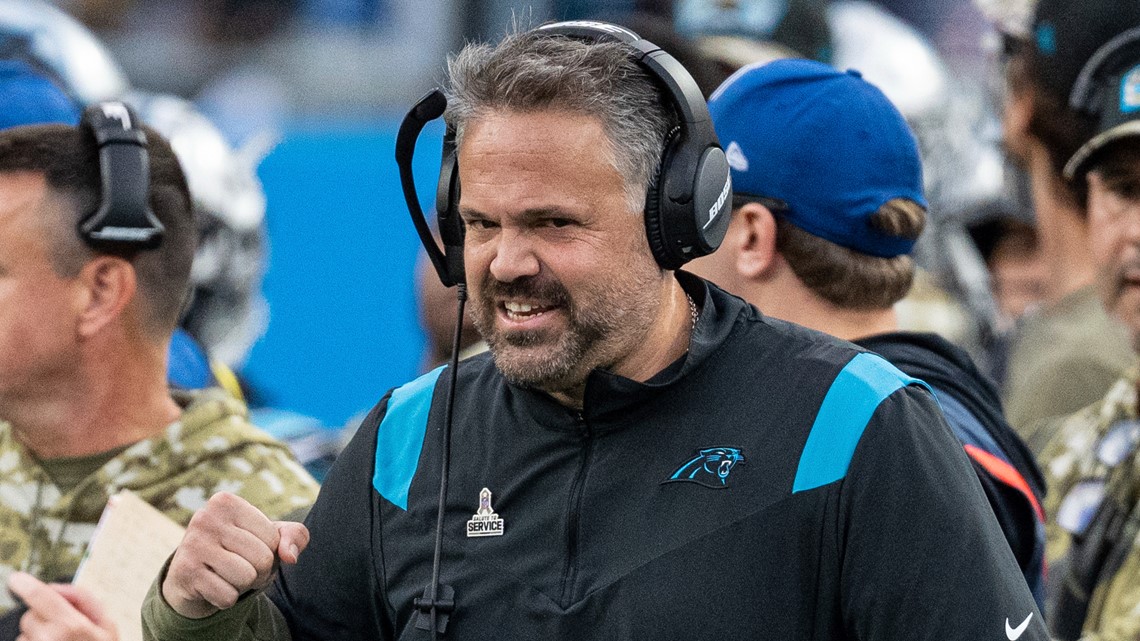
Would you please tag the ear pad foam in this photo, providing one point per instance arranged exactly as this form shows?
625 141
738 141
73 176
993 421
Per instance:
654 224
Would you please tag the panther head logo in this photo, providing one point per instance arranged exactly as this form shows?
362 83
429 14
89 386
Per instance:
710 467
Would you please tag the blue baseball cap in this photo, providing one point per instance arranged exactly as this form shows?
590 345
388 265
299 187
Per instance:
31 98
826 143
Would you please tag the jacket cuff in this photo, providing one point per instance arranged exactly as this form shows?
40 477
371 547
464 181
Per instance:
162 622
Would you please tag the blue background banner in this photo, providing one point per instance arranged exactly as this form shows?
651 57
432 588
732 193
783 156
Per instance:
340 286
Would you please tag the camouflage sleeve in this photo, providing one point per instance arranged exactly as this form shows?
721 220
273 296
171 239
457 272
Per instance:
1066 459
277 484
253 618
1125 627
214 448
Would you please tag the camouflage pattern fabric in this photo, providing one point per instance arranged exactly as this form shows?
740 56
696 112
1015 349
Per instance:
212 448
1090 459
1062 358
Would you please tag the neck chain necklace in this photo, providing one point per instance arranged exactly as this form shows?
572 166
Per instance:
693 312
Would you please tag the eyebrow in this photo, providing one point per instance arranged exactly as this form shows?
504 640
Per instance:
527 215
1117 172
1122 165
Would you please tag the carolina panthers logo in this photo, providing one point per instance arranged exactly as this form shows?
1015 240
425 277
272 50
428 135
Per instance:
710 467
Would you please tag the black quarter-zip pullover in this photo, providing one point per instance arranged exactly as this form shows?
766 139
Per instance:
776 484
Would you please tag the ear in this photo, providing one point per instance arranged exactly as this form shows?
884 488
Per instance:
109 284
1016 116
757 255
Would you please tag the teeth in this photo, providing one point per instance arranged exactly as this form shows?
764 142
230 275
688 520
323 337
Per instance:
518 311
518 308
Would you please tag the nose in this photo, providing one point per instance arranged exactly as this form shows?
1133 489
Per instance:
1126 222
1130 221
514 257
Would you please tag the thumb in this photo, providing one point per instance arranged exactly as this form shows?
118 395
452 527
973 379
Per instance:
293 538
82 600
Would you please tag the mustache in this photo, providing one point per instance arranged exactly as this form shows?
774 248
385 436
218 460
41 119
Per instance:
541 289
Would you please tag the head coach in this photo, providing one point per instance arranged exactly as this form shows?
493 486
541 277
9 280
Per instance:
641 455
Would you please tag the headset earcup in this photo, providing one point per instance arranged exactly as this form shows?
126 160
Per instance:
695 223
711 209
447 215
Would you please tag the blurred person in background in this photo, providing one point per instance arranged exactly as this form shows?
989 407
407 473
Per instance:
1005 237
1069 352
87 408
948 114
1091 460
1009 247
826 244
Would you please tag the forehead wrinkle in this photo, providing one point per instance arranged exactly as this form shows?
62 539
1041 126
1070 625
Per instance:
511 162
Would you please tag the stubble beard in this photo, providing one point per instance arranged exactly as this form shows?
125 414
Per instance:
603 323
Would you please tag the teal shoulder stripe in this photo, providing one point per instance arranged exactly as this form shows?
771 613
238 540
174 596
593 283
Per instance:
847 407
400 438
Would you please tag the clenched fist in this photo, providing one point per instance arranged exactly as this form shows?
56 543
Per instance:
230 548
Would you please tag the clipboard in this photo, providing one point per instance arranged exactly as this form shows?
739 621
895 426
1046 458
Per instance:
129 547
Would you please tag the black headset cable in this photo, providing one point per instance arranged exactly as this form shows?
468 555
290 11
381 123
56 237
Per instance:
432 603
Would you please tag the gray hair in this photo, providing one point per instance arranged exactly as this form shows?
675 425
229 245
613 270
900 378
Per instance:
532 71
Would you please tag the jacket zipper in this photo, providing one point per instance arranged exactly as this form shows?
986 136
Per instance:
570 570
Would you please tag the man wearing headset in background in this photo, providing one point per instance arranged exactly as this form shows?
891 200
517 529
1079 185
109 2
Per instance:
1091 461
640 454
1067 353
85 408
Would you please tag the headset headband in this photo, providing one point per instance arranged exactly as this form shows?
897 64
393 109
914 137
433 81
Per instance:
687 205
1085 89
683 92
123 222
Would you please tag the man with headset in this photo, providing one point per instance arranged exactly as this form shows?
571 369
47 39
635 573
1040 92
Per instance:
94 266
1092 460
1067 353
640 455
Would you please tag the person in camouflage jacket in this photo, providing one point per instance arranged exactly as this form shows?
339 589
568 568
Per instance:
91 288
44 529
1091 459
1093 472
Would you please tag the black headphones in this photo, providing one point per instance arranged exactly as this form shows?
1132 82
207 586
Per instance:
686 207
123 221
